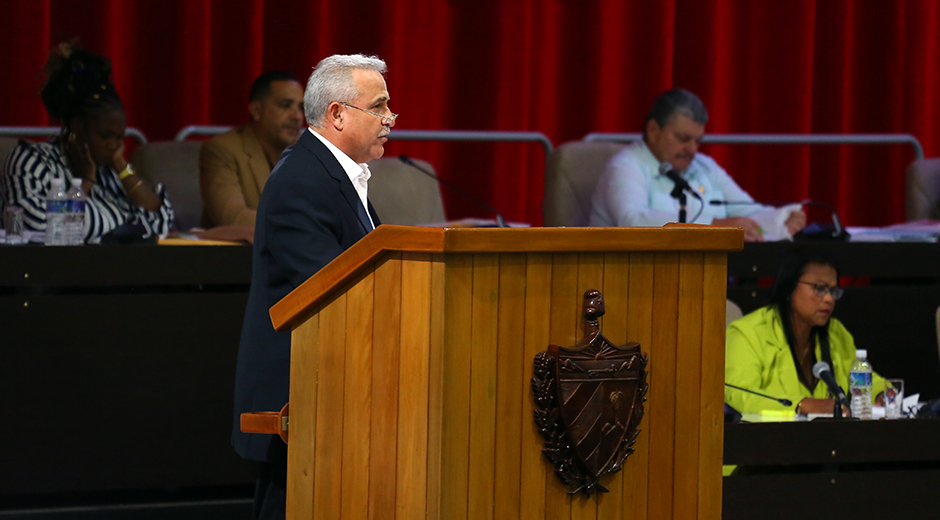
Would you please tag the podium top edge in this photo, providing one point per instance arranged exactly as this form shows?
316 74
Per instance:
293 308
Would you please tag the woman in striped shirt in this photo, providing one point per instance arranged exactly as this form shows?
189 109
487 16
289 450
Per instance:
79 92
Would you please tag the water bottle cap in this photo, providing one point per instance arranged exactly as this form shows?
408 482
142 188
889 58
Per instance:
76 182
861 353
58 181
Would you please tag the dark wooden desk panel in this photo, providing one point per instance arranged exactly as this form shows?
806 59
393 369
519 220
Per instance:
117 367
877 259
832 469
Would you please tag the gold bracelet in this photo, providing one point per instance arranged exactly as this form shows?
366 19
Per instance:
126 172
139 182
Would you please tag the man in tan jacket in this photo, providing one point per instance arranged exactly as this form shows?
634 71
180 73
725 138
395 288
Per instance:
234 166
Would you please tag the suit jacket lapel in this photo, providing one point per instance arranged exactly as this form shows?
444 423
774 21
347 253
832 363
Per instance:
375 216
339 174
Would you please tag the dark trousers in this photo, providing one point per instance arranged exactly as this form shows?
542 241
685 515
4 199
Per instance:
271 486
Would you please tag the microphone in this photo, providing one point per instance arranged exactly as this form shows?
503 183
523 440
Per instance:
821 371
784 402
667 170
500 222
810 232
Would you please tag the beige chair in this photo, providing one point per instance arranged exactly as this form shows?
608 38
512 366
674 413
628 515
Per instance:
7 144
404 196
175 164
923 189
571 174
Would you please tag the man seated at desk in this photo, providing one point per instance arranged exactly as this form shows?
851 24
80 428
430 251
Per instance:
634 191
234 166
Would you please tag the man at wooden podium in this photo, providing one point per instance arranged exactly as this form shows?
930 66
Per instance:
314 206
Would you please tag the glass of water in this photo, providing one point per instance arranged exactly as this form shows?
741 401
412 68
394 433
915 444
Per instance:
13 225
893 397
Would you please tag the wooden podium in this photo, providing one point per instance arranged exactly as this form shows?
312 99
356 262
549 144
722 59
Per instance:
411 360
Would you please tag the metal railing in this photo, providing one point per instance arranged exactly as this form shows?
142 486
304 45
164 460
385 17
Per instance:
474 136
415 135
907 139
49 131
200 130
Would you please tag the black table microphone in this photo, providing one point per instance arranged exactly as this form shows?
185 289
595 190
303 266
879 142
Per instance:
500 222
821 371
678 192
667 170
784 402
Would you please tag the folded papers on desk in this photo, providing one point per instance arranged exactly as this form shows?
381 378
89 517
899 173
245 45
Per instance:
915 231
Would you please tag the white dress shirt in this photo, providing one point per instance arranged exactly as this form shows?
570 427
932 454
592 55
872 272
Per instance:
358 173
632 192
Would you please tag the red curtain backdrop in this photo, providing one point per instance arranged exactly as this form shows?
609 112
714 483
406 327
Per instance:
564 68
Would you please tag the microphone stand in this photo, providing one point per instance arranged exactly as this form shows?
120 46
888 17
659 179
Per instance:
679 193
500 221
837 410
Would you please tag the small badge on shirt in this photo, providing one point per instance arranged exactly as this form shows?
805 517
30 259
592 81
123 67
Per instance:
701 189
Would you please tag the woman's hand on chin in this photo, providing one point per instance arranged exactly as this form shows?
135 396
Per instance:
118 162
79 157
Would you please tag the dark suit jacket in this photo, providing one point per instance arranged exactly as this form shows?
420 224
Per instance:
309 213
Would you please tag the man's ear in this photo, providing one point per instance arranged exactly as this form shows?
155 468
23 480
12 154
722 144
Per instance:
254 110
334 116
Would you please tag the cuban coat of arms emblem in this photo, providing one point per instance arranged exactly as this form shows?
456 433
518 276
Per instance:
589 403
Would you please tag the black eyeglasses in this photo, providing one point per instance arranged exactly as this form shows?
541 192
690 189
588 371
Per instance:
821 290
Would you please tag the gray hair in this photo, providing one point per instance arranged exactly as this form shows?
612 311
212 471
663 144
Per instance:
677 102
332 80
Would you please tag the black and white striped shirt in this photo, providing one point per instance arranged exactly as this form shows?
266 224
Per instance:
28 174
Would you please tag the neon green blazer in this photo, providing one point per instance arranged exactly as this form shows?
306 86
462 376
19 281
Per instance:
758 358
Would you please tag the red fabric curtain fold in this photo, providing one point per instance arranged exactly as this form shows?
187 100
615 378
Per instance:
559 67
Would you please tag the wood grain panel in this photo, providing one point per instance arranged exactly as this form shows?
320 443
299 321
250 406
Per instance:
303 420
291 310
534 468
662 380
590 276
455 425
357 404
614 327
530 240
301 303
566 308
436 384
688 385
483 338
413 384
711 407
639 328
511 369
327 497
386 341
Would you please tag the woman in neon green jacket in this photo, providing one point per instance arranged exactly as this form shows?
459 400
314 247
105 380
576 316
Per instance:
773 349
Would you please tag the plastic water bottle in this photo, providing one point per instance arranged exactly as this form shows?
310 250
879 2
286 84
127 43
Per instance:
75 218
860 385
57 206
